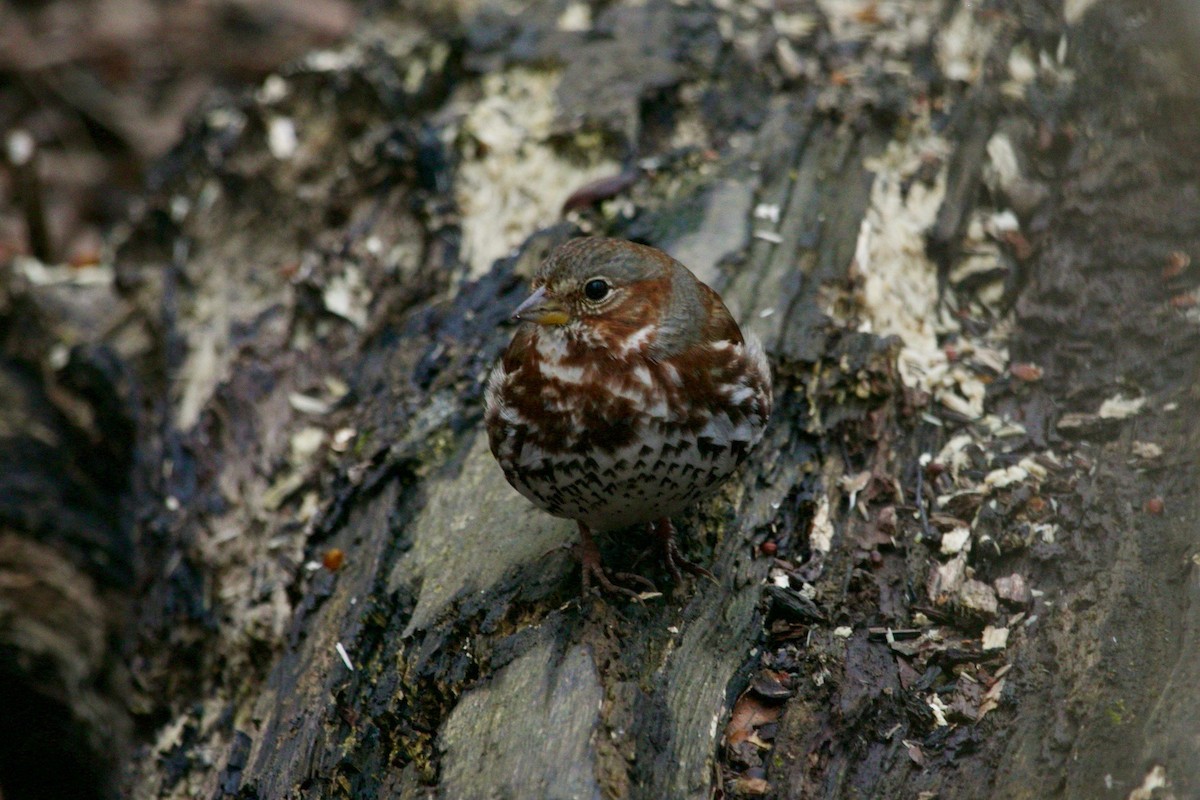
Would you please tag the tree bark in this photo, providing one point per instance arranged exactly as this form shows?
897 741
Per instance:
957 229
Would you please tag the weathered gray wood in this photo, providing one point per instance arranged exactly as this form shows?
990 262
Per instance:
469 535
544 697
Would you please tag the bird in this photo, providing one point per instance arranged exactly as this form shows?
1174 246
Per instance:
627 394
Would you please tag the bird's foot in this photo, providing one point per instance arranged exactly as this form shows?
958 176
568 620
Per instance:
626 584
672 556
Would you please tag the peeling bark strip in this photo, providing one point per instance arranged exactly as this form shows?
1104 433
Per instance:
928 581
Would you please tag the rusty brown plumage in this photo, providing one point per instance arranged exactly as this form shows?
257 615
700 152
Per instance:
627 394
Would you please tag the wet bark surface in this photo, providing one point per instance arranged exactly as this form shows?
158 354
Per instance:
961 562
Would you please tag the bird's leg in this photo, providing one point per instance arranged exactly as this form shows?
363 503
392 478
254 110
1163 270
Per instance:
671 555
592 566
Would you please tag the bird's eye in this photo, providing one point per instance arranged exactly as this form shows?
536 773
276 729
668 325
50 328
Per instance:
596 289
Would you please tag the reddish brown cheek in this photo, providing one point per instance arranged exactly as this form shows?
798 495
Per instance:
637 309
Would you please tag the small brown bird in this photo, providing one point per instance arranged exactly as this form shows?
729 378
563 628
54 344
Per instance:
627 394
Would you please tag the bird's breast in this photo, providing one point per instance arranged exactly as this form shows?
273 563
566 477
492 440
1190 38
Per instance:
616 441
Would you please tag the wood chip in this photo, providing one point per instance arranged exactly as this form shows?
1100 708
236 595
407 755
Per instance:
995 638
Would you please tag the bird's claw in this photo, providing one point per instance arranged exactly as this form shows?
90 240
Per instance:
620 583
672 556
677 565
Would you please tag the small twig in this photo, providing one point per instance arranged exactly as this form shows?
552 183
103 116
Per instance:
921 501
22 156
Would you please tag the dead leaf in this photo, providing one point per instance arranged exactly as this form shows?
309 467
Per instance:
748 713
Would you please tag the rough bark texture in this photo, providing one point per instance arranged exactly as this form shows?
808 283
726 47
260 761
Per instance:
916 204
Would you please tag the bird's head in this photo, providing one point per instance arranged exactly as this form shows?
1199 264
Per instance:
610 292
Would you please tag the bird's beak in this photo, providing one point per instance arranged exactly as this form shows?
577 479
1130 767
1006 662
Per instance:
540 308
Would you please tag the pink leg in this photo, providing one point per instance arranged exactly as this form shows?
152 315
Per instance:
593 569
672 557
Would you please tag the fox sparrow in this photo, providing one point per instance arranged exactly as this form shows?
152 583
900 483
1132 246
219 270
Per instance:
627 394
